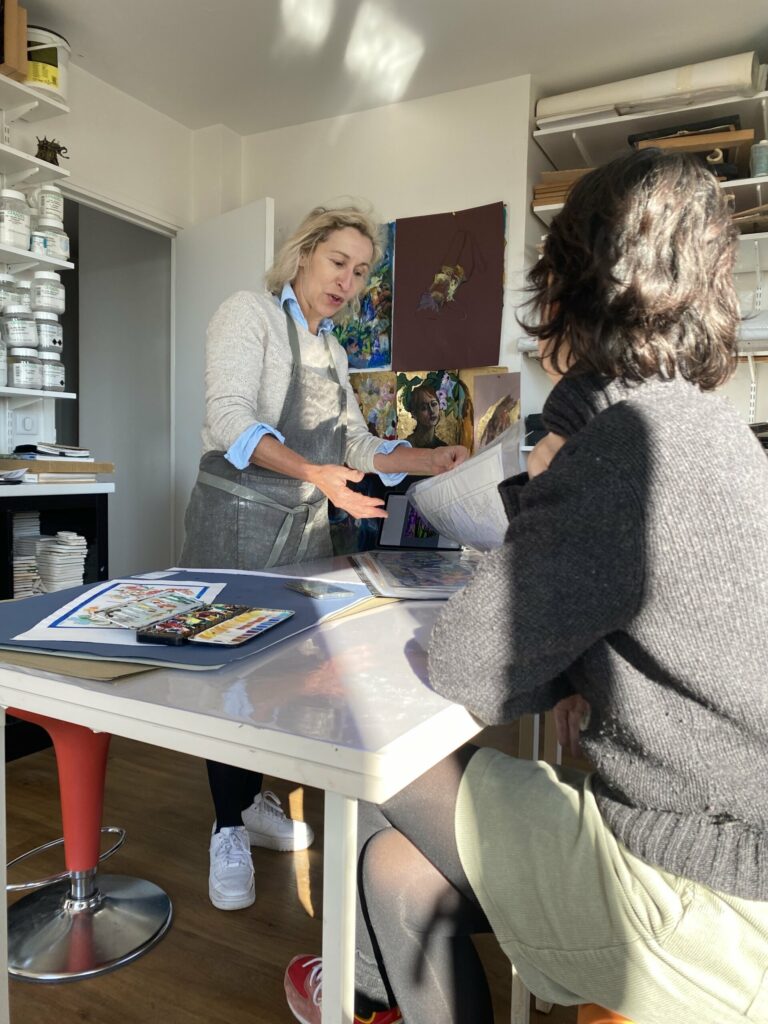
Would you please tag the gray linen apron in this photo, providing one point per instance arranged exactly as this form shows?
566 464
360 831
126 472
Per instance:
256 518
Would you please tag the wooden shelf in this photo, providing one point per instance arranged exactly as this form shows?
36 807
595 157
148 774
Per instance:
22 102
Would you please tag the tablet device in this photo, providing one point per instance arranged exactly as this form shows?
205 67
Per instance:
404 527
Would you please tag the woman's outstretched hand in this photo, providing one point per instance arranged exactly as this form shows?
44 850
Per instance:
332 481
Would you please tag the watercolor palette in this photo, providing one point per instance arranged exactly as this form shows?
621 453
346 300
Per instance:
237 630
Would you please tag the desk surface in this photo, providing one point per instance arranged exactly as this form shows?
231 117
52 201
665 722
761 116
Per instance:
345 706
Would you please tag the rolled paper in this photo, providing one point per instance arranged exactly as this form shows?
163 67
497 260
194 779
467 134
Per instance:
724 76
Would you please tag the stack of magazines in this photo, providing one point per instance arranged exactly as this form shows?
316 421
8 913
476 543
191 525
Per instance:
26 535
61 560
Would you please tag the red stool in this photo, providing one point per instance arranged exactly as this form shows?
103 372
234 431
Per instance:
77 924
589 1013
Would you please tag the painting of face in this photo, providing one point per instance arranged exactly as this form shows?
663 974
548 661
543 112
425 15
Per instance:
425 407
332 274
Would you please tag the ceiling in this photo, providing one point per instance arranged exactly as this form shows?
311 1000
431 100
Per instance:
255 65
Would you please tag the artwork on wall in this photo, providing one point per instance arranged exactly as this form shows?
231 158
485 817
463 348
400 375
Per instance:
497 405
367 336
376 395
433 409
448 282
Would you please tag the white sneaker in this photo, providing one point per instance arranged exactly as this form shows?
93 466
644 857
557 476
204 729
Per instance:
230 879
268 826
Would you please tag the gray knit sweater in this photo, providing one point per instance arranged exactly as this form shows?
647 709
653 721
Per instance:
635 572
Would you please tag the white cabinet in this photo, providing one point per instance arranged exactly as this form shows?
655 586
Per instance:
26 414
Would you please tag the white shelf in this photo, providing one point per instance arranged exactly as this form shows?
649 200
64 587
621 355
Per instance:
591 143
34 393
753 253
39 490
23 102
18 166
22 259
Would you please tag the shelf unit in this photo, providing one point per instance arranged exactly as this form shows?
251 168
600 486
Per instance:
594 141
20 102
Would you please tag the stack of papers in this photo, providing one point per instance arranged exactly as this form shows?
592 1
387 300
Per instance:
61 560
26 534
464 504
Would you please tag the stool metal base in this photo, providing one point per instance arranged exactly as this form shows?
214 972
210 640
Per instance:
53 937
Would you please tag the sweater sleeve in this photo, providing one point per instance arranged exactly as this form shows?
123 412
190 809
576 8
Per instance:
234 360
568 574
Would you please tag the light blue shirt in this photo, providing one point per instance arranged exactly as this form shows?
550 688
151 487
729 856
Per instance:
240 451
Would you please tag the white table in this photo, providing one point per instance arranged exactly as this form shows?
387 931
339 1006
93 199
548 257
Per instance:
343 707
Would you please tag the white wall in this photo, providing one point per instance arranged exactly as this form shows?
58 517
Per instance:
121 152
446 152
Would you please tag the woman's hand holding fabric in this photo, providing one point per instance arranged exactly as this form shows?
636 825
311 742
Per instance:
543 453
332 481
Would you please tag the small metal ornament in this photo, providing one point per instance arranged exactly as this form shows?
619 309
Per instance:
50 150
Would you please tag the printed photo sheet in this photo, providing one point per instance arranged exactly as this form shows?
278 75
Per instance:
86 618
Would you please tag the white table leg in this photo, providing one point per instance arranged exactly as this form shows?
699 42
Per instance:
5 1011
339 895
521 1000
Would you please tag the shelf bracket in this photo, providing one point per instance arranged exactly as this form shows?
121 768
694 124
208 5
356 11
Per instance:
17 113
583 151
17 176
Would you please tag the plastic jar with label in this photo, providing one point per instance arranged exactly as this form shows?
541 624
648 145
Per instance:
51 371
24 369
24 296
15 219
18 328
48 238
50 335
47 292
50 201
3 366
8 291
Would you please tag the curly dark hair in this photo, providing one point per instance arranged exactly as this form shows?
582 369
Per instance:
636 277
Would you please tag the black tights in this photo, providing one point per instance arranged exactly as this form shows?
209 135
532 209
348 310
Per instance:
416 908
232 789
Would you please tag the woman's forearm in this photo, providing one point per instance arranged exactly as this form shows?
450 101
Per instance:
427 461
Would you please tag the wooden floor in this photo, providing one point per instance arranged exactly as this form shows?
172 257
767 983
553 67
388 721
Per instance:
212 967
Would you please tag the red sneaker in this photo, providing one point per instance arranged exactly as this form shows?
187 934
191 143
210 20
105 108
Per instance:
304 992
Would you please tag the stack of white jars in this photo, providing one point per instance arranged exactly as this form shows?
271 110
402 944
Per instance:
31 338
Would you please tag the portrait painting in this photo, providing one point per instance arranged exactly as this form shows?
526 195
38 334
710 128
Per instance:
433 409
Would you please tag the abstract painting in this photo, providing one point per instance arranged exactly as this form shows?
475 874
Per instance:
366 337
377 398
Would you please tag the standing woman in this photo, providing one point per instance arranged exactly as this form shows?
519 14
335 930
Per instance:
282 435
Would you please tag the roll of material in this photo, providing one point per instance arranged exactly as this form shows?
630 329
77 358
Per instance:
725 76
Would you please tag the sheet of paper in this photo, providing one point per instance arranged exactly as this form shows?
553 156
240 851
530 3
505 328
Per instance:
465 504
80 620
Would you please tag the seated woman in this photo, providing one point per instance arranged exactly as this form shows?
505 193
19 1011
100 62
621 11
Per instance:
634 577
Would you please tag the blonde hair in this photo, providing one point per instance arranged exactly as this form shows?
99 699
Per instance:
315 228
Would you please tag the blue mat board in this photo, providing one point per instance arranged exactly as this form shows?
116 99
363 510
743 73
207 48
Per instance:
249 589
